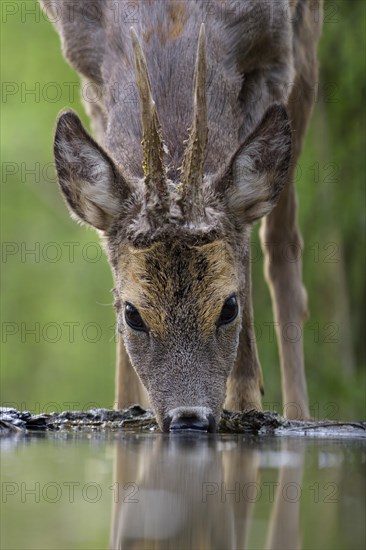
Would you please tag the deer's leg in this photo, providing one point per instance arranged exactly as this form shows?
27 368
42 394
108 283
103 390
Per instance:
245 383
128 390
282 246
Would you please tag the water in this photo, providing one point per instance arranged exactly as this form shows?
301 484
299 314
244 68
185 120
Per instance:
145 491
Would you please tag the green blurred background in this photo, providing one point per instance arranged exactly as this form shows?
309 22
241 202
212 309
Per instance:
57 348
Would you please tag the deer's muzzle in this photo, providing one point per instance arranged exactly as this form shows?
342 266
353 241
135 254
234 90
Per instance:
189 418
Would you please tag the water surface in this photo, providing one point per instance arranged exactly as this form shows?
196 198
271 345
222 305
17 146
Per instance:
145 491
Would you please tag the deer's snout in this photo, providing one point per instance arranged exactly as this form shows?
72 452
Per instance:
189 418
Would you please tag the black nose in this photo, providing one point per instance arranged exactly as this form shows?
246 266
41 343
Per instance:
195 423
189 423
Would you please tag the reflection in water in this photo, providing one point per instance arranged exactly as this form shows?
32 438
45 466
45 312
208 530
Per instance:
199 492
181 492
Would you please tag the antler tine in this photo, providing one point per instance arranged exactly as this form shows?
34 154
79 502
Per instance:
194 154
152 142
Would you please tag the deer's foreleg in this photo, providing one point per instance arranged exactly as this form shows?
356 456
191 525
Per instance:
282 246
245 384
128 388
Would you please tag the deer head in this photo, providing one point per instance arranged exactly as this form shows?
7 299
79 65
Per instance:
177 248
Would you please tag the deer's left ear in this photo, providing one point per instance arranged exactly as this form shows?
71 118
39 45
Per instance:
258 170
91 183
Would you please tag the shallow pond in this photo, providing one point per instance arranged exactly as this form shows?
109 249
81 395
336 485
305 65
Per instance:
181 492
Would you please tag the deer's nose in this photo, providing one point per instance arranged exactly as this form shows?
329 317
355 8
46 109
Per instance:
189 423
193 419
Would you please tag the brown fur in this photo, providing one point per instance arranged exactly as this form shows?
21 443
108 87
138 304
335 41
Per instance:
153 284
178 269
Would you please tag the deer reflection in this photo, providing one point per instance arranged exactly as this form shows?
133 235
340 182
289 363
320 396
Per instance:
188 491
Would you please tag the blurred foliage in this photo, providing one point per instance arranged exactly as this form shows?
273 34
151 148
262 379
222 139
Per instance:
69 360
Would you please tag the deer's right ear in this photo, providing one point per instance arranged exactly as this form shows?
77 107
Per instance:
90 181
258 171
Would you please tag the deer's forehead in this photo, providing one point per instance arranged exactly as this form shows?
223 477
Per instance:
178 261
167 282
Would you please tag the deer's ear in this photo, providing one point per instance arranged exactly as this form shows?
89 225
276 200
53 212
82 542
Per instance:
258 170
90 181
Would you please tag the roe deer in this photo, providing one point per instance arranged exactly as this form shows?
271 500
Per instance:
175 206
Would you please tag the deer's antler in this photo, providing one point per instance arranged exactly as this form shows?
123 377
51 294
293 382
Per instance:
152 142
194 154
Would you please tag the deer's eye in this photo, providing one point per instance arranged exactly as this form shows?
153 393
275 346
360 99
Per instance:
133 318
229 311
